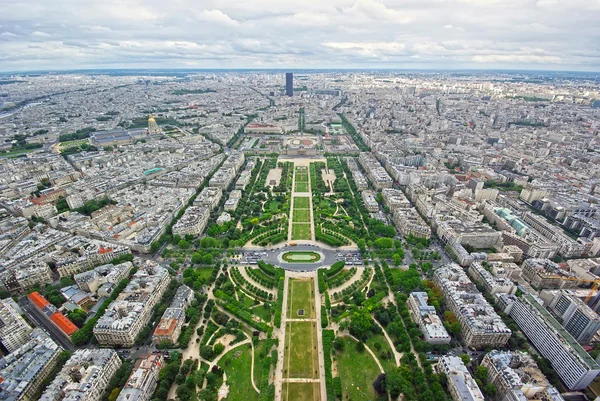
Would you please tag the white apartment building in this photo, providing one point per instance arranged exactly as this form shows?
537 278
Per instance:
14 330
576 368
24 370
143 380
193 221
481 325
209 197
85 376
126 316
461 384
491 283
426 317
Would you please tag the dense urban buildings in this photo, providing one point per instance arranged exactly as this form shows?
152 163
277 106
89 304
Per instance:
166 214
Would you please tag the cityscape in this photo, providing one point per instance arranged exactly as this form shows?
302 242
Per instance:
311 231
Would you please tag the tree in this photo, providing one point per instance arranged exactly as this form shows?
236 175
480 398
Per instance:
183 244
218 348
360 324
397 259
481 373
465 358
114 394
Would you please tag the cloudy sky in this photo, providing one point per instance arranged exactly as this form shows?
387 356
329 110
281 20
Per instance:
524 34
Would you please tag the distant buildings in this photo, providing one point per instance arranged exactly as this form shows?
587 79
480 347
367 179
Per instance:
481 325
14 330
461 385
576 368
126 316
23 371
142 382
375 172
193 221
289 84
85 376
425 316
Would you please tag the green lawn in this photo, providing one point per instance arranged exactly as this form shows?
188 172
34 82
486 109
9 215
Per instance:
384 351
244 299
300 231
262 312
236 364
301 202
301 296
273 206
301 392
301 257
357 371
205 272
301 357
301 216
260 352
301 187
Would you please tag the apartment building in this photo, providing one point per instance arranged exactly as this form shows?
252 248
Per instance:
461 384
143 379
126 316
92 280
85 376
576 368
517 377
369 201
24 370
577 318
544 273
51 314
209 197
14 330
426 318
170 324
490 283
481 325
375 171
193 221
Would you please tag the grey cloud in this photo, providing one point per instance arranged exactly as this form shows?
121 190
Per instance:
328 33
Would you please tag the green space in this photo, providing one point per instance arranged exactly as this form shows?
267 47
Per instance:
301 356
273 206
300 231
301 257
357 371
205 273
236 364
380 346
301 216
301 392
301 202
301 296
301 187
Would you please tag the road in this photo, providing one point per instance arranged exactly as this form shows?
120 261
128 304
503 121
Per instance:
273 256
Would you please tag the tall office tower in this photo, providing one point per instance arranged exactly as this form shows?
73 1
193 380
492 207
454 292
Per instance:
14 330
289 84
576 368
578 318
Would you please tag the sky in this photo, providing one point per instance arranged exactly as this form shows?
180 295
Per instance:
295 34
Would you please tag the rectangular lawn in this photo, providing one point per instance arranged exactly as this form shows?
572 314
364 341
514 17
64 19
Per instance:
301 187
301 350
301 392
301 296
302 215
301 202
300 231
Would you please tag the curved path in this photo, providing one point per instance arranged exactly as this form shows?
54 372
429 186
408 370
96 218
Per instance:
397 355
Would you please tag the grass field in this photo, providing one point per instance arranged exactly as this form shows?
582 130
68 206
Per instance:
301 357
260 352
236 364
300 231
262 312
301 392
301 257
384 351
301 187
301 296
301 216
205 272
357 371
301 202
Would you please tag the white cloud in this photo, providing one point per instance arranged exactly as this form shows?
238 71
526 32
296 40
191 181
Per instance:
309 33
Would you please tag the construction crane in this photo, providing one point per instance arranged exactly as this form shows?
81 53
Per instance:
595 285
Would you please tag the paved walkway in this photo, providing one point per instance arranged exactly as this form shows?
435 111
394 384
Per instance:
397 355
278 381
321 355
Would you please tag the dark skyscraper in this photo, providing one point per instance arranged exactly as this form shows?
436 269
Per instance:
289 84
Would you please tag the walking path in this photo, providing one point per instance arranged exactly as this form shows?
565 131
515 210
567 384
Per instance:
245 274
320 353
397 355
278 381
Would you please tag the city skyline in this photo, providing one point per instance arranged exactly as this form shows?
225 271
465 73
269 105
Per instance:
361 34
